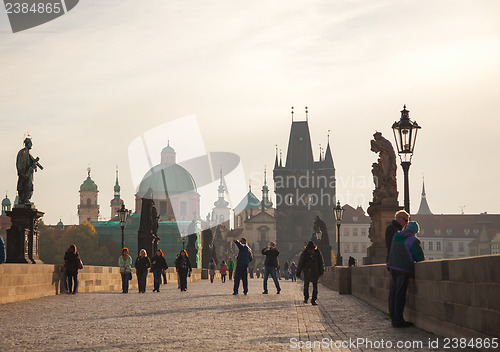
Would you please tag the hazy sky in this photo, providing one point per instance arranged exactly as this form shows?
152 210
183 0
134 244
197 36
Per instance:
88 83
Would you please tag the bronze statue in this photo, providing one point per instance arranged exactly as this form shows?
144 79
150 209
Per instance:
384 171
26 164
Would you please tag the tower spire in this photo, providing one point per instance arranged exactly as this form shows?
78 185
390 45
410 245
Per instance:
424 206
265 202
276 165
292 113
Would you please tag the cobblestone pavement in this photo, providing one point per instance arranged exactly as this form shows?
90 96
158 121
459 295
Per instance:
207 317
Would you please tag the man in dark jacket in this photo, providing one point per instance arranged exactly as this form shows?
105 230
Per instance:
271 264
401 218
244 258
311 263
405 251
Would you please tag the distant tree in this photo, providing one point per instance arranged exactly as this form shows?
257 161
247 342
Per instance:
84 237
112 246
47 243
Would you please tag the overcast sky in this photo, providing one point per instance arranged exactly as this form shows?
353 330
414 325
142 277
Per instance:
88 83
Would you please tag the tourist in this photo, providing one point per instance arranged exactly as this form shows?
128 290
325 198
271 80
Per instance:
244 258
65 276
158 265
183 267
352 261
125 264
211 270
401 218
223 270
250 272
285 270
257 273
142 264
293 271
311 264
230 268
271 262
71 263
405 251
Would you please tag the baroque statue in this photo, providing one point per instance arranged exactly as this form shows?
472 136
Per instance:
384 171
26 165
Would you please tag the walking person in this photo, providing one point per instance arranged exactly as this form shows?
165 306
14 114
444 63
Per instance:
312 265
125 264
244 258
405 251
142 264
183 267
223 270
271 262
72 263
293 271
158 265
286 273
65 276
230 268
211 270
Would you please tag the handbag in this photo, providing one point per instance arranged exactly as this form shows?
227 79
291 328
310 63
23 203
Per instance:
80 263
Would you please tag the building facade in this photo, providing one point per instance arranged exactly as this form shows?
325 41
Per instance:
88 209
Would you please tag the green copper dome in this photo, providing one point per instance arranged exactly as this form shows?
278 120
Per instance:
6 201
250 201
88 185
168 149
170 178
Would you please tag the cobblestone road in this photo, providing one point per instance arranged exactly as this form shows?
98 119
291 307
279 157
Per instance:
207 317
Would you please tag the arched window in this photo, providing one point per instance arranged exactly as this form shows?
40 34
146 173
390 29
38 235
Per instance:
89 202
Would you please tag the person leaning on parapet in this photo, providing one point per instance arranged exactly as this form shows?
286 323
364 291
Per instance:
125 264
311 263
2 250
71 260
401 218
271 264
405 251
244 258
230 268
142 264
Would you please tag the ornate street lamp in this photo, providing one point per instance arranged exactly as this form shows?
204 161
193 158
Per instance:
123 215
405 133
339 213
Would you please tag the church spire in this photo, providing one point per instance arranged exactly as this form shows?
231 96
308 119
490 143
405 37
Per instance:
265 203
328 154
424 206
276 165
221 202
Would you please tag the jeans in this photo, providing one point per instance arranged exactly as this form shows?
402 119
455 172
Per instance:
164 274
141 280
183 279
271 270
125 282
294 276
315 291
72 276
397 296
230 274
240 274
157 279
223 277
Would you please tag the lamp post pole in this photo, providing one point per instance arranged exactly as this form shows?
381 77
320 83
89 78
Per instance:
405 133
123 215
339 213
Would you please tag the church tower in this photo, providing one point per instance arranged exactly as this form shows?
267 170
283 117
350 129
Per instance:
116 202
304 189
220 213
88 209
5 205
266 204
424 207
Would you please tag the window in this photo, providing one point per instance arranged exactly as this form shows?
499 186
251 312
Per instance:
355 232
163 207
461 247
423 244
437 231
448 232
363 232
431 247
89 202
346 231
466 231
346 247
475 232
183 208
355 247
239 221
449 246
438 246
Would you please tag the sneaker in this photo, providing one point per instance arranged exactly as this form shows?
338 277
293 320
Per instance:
235 293
278 292
305 300
245 293
314 303
264 293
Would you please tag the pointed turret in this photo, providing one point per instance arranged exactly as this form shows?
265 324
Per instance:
276 164
424 207
328 162
116 202
265 202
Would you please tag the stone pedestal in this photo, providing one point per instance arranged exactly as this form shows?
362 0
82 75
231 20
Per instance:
23 235
381 215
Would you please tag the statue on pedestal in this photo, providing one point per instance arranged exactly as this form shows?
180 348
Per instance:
26 164
384 171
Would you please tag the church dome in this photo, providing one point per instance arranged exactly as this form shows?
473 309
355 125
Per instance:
170 178
88 185
168 149
6 201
